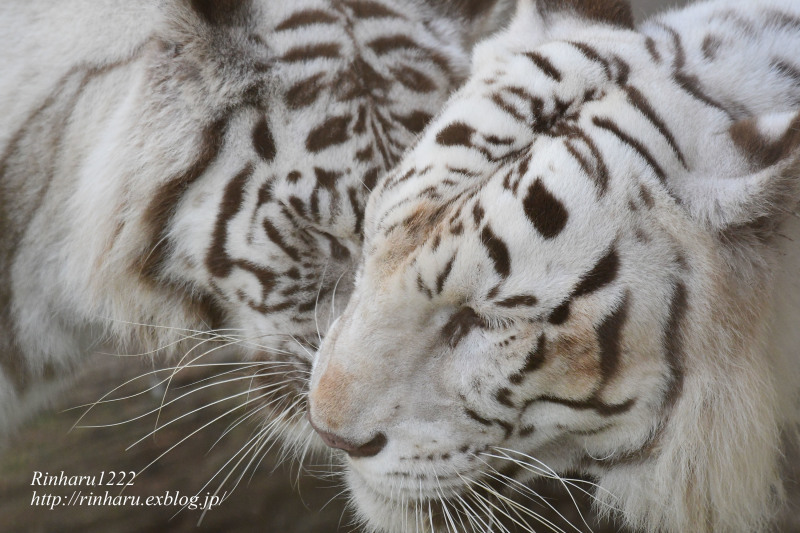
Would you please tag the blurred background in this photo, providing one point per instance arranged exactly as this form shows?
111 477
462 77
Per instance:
270 497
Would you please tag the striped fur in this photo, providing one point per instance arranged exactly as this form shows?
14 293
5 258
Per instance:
587 262
174 166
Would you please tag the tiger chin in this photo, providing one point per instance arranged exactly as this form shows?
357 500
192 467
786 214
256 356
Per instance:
589 263
180 175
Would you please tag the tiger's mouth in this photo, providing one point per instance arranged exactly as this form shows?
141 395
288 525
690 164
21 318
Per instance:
480 499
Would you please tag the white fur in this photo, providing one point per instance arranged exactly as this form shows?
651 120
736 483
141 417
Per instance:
710 462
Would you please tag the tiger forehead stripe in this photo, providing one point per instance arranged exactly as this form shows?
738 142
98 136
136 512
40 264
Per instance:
544 64
547 214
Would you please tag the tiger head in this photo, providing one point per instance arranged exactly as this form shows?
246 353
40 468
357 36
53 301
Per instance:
573 270
224 161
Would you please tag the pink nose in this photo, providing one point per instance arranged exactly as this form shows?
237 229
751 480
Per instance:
368 449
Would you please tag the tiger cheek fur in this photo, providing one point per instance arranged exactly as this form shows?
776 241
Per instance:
208 168
580 267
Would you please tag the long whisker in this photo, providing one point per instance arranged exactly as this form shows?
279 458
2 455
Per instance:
185 394
200 409
548 472
525 490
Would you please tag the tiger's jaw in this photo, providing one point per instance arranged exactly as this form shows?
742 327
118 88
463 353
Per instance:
442 491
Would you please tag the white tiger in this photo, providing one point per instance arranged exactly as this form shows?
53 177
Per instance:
172 166
589 262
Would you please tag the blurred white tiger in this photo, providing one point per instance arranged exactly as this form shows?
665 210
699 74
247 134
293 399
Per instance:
171 166
588 263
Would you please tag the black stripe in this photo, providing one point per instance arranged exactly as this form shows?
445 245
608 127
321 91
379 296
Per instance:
598 172
603 409
218 263
476 417
389 43
498 251
787 69
275 236
444 274
168 194
673 344
608 335
533 362
305 18
610 126
546 212
316 51
640 102
593 55
544 65
519 300
603 273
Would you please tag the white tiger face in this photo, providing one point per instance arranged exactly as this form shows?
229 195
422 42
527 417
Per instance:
545 275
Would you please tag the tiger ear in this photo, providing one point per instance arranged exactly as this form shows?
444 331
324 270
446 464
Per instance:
768 148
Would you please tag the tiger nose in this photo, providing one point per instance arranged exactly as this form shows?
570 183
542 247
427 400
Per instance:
367 449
